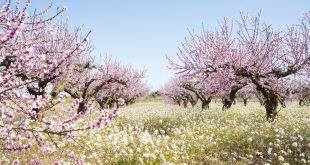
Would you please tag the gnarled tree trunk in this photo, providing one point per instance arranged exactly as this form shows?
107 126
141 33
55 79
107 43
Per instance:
205 103
245 101
227 102
271 105
81 107
111 104
185 103
178 102
271 101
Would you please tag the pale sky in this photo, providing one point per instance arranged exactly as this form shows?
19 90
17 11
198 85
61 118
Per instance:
140 33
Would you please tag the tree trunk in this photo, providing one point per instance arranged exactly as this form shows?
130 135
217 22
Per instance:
205 103
111 105
185 103
245 101
271 105
227 102
81 107
101 104
271 99
178 102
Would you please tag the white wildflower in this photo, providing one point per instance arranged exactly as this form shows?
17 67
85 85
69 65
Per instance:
295 144
280 158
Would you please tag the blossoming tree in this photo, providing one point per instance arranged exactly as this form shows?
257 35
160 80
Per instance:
253 53
174 92
127 87
38 56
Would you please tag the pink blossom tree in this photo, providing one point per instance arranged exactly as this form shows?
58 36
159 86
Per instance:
174 92
136 88
89 80
253 53
127 87
36 57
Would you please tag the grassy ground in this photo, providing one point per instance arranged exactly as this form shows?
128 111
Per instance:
151 132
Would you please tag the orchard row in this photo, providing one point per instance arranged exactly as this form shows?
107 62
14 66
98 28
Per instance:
244 54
